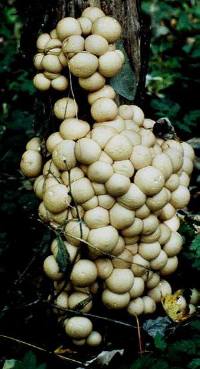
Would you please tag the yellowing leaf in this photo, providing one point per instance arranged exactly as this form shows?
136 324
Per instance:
173 308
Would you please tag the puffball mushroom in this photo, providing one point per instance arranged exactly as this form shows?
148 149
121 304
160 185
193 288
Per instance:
78 327
106 91
164 164
124 167
93 83
56 198
136 306
103 239
149 305
75 231
87 151
107 27
83 64
66 27
42 41
138 115
134 229
103 109
74 129
114 300
120 280
161 290
63 155
180 197
149 251
71 249
117 185
51 268
73 44
31 163
94 339
139 265
110 64
65 108
97 217
159 261
137 288
37 61
84 273
104 267
86 25
92 13
174 244
106 201
54 139
96 44
170 266
82 190
133 198
141 156
60 83
150 180
41 82
121 217
118 148
51 63
101 135
100 171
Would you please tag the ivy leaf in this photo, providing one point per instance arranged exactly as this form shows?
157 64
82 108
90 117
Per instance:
124 82
194 364
12 364
160 342
156 326
149 362
29 360
62 257
183 346
195 249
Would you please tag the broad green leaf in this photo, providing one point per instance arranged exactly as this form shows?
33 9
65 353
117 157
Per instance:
12 364
160 342
194 364
124 83
62 257
29 360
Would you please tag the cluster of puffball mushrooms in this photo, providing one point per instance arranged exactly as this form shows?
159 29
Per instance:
112 188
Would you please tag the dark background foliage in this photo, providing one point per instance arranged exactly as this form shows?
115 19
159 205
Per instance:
172 89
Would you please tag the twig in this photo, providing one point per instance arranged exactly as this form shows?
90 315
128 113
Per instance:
139 335
17 340
89 315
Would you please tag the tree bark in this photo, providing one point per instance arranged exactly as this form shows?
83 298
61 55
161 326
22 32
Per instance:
42 16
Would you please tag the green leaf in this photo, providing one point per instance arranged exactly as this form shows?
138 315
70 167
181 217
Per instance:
184 346
124 82
12 364
29 360
194 364
62 257
147 361
160 342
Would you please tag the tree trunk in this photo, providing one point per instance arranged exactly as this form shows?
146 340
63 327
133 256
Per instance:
42 15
